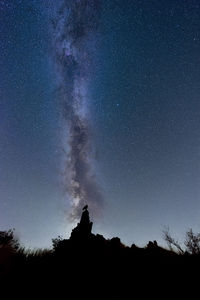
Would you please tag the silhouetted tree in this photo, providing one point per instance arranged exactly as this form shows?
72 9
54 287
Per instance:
171 241
7 240
192 242
9 246
56 242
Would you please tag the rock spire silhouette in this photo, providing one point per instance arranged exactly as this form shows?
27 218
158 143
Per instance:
83 230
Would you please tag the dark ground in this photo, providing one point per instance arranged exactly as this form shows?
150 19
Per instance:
89 266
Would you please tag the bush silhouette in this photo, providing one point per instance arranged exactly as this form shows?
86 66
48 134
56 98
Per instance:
192 242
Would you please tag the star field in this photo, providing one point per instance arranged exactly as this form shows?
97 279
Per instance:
144 112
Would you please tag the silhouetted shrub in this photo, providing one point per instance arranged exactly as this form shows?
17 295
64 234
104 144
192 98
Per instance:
7 240
56 242
172 242
192 242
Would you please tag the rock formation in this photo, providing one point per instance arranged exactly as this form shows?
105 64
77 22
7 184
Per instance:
83 230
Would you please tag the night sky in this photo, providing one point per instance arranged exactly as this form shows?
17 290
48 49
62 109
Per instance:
103 109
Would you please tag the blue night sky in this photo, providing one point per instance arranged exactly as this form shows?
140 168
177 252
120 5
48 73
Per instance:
142 105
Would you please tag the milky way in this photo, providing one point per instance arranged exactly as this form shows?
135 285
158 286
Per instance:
75 33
